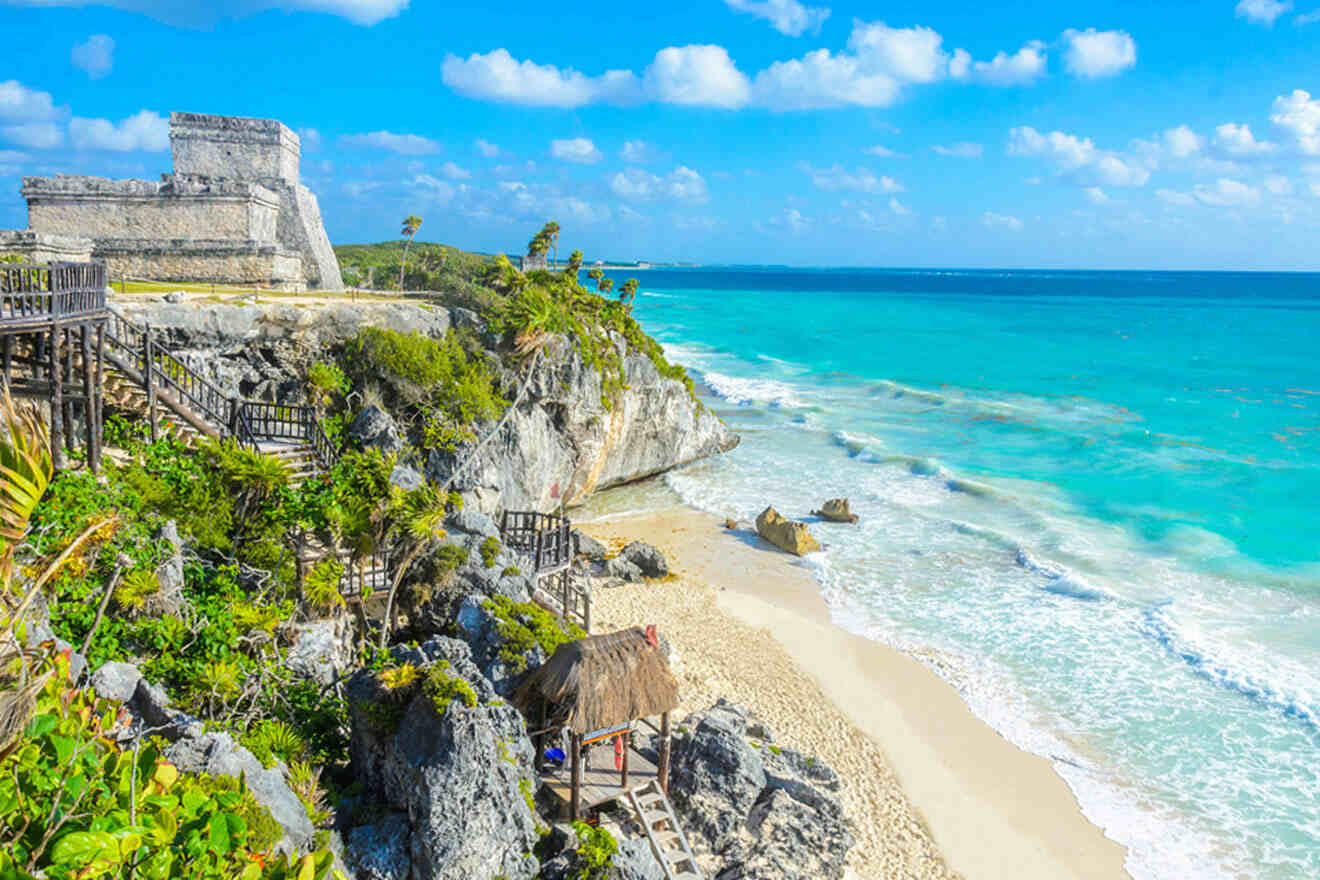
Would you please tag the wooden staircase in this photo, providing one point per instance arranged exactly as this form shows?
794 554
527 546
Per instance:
299 458
126 394
665 834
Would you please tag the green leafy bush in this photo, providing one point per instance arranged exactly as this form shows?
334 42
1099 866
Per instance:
490 550
74 805
442 688
596 847
526 625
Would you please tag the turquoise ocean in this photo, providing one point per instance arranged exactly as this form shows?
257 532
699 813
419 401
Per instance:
1092 497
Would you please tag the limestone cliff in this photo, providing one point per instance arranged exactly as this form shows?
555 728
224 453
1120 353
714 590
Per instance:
560 443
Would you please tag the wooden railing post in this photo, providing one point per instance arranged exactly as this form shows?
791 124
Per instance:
150 382
56 398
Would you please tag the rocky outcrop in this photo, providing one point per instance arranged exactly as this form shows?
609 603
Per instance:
558 446
763 812
320 650
649 560
785 534
566 444
458 771
836 510
263 351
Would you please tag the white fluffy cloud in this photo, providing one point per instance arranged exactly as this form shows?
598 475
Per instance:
144 130
991 220
960 150
1237 140
1173 197
189 13
1262 11
786 16
403 144
1182 142
696 76
1096 196
579 150
1278 185
1299 115
1077 156
498 76
33 135
638 152
309 140
821 80
96 56
838 178
685 75
898 208
1091 53
1226 193
486 148
19 103
1065 150
454 171
1023 67
790 219
884 152
680 185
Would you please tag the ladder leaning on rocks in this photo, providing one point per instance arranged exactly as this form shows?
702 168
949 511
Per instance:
668 842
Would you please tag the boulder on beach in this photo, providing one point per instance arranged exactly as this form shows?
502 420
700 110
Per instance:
836 510
784 533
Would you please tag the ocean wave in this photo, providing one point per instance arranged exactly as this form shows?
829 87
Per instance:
1264 686
1060 580
888 388
739 390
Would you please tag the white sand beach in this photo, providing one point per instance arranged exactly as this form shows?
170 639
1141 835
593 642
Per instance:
934 791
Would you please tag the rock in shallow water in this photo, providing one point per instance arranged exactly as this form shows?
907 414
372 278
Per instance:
836 510
784 533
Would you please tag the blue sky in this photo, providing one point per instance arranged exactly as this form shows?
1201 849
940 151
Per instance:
1031 134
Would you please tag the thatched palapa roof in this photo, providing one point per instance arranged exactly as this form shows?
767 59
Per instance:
601 681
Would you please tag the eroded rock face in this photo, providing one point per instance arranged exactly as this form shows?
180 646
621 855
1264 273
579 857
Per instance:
785 534
564 444
559 445
758 811
458 774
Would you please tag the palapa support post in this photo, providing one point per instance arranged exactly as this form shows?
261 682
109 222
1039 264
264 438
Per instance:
8 344
627 747
56 398
575 797
662 768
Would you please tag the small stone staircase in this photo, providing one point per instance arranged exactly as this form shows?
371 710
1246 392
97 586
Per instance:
665 834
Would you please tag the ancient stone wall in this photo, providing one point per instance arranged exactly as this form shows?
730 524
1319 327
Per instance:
234 148
201 261
41 247
174 209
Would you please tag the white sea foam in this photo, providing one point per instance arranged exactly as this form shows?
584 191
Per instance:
748 390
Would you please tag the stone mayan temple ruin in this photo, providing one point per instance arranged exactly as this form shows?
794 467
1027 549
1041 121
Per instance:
233 211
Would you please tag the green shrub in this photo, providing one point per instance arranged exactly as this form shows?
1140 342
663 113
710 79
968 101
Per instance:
596 847
451 557
321 586
73 805
490 549
270 740
526 625
442 688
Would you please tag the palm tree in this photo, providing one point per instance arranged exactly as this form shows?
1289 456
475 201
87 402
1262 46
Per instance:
628 292
604 285
574 265
411 224
418 519
596 274
551 232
